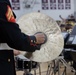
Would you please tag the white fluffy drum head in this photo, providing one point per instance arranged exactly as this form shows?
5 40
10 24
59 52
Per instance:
38 22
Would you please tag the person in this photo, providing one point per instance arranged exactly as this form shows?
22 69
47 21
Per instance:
11 34
72 16
69 18
5 46
69 22
63 19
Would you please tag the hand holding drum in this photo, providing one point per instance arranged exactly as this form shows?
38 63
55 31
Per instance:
40 38
47 33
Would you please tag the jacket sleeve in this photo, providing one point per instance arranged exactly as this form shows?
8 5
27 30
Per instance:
12 35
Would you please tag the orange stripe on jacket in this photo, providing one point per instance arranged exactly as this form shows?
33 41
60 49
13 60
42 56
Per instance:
9 15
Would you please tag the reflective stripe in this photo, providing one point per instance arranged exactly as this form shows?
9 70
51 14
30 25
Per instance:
9 15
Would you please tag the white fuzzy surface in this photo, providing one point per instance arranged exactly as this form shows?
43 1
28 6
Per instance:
38 22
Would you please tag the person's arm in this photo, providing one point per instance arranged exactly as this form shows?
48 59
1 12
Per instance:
62 18
16 52
12 35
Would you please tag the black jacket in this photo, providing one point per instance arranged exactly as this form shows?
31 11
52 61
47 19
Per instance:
10 32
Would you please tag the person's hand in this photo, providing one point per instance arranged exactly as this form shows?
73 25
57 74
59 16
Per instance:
40 38
16 52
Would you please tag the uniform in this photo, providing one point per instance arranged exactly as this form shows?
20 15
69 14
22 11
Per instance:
12 35
10 32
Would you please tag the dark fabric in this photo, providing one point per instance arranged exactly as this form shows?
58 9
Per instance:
6 1
74 65
7 64
33 38
12 35
3 9
67 56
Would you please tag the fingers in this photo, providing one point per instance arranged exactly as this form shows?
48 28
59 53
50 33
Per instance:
40 38
16 52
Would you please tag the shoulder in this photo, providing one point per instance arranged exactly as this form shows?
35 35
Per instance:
3 7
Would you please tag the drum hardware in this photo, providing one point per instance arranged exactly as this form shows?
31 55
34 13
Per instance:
53 70
26 65
54 67
26 72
